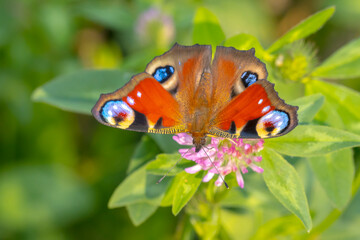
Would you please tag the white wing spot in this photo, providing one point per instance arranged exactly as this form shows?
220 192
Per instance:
260 101
130 100
138 94
265 109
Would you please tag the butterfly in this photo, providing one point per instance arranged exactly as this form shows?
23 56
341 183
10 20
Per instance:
186 90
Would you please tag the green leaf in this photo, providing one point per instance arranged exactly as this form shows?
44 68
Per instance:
245 41
313 140
344 63
303 29
139 212
170 192
186 186
285 184
164 162
342 101
278 227
335 172
308 106
207 29
232 220
207 226
78 92
139 187
165 141
145 151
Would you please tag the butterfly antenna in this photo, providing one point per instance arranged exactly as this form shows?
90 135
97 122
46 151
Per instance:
167 173
222 178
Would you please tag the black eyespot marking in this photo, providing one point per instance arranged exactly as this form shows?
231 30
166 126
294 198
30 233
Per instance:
162 74
249 130
249 78
158 124
140 124
232 129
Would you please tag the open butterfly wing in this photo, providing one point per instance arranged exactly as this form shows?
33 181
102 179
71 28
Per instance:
253 108
156 100
141 105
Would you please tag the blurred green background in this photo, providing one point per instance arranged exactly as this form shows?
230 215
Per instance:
58 169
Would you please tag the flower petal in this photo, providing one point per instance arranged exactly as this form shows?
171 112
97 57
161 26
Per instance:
183 139
240 179
193 169
208 177
256 168
219 181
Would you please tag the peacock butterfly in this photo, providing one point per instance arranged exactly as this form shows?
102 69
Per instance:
185 90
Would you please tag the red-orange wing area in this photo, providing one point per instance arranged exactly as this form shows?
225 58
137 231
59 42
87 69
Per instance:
152 100
248 105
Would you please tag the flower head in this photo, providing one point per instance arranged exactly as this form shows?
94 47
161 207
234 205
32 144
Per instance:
222 156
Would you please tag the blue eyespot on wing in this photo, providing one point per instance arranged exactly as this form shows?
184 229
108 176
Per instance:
117 113
272 124
162 74
248 78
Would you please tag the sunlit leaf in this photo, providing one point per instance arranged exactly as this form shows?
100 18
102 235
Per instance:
145 151
170 192
139 212
281 226
313 140
232 220
245 41
186 186
78 92
164 162
303 29
207 226
308 106
207 29
335 172
139 187
285 184
344 63
341 101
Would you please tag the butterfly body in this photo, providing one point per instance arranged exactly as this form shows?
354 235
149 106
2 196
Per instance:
185 90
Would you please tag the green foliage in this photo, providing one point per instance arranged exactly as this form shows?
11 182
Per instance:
79 91
303 29
341 106
186 186
207 29
283 181
56 164
309 106
343 64
335 175
246 41
313 140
